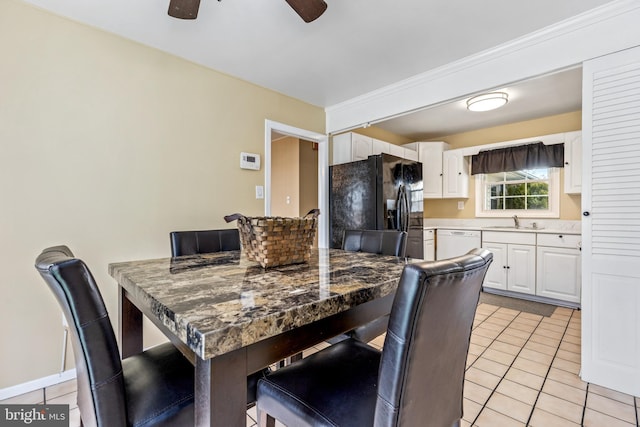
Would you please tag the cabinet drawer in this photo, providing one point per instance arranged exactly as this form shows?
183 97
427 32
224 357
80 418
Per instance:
428 235
509 237
559 240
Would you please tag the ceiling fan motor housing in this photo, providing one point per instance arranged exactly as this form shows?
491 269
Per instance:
184 9
309 10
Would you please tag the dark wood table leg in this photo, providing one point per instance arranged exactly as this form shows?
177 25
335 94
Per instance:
221 390
130 325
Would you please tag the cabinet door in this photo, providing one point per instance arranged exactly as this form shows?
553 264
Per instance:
396 150
361 147
429 250
559 273
455 175
430 155
497 274
573 163
379 147
410 154
521 269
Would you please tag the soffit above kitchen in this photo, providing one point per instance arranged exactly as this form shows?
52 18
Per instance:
555 93
355 47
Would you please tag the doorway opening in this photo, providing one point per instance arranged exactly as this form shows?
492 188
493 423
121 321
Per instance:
275 202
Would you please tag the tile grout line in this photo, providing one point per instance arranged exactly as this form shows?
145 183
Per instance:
547 374
584 408
484 405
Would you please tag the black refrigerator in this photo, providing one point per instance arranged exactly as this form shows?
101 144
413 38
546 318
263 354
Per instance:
383 192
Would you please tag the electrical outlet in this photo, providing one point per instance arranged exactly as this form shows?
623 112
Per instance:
460 205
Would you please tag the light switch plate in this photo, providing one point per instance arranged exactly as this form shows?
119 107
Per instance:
259 192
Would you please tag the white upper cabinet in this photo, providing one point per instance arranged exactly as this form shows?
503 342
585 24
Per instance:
411 154
445 173
379 147
430 155
396 150
573 162
351 147
455 175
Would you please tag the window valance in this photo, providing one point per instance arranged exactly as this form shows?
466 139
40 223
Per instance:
529 156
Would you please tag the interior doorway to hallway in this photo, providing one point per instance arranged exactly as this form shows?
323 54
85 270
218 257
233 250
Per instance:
296 168
294 176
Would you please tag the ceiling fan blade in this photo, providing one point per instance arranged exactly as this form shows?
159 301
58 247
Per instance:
184 9
308 10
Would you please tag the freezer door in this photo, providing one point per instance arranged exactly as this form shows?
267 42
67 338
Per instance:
352 199
390 180
413 185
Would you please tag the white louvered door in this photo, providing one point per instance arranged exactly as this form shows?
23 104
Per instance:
611 221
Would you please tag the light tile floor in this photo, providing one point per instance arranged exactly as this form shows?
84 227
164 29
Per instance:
522 370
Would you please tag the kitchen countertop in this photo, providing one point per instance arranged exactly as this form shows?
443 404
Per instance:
547 226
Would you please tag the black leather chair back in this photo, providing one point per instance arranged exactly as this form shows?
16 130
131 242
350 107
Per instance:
382 242
206 241
101 389
425 350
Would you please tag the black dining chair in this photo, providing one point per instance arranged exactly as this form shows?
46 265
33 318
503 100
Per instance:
382 242
204 241
153 388
416 380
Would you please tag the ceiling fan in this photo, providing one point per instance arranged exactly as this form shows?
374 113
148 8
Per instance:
309 10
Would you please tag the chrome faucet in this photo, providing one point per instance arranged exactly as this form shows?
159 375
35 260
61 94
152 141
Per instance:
516 220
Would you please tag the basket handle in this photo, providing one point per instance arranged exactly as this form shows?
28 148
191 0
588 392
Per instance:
313 213
233 217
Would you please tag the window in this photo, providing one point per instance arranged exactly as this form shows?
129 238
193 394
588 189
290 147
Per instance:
526 193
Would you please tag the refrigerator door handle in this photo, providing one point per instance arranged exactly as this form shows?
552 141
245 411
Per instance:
399 205
402 209
406 209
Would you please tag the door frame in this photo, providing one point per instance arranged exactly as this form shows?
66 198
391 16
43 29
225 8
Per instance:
323 171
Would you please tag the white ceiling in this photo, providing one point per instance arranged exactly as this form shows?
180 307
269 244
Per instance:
356 47
556 93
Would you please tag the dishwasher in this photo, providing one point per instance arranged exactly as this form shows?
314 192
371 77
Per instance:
451 243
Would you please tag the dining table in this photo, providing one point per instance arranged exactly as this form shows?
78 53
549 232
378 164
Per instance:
230 317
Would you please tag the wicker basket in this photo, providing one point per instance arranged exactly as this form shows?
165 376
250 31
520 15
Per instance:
274 241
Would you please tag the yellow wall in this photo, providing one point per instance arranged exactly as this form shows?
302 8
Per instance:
107 146
448 208
308 177
285 177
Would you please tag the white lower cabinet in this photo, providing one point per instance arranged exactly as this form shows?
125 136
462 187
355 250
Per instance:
513 267
514 261
429 245
559 268
542 264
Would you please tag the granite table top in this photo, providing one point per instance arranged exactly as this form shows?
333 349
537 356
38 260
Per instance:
219 302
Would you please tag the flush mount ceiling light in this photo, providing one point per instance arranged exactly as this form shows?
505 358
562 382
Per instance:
487 101
309 10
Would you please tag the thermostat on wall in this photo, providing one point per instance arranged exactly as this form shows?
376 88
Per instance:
250 161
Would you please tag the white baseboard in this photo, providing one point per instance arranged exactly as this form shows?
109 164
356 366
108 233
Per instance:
16 390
